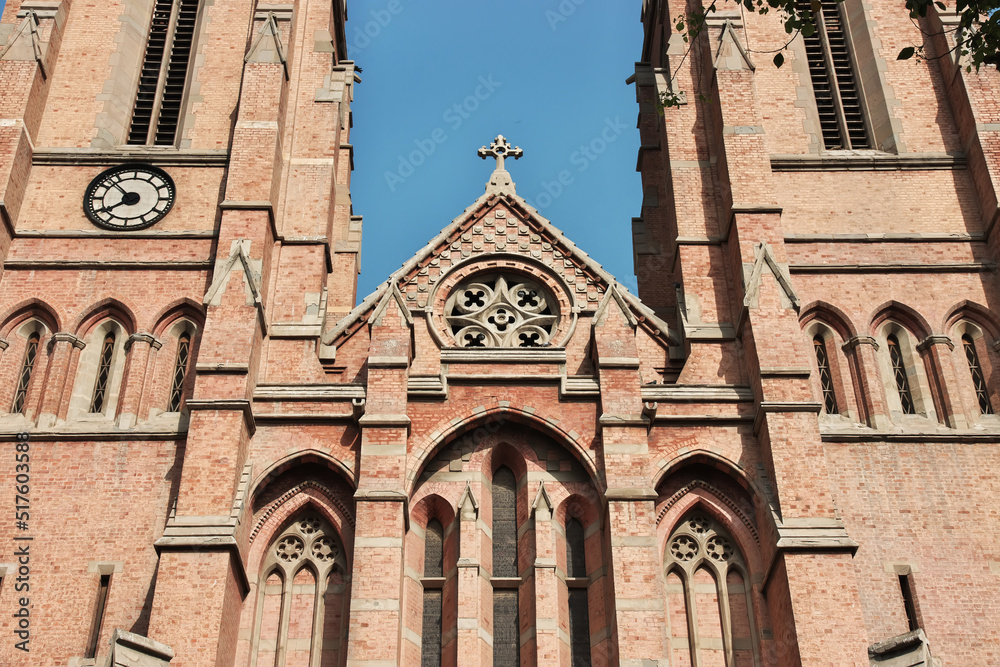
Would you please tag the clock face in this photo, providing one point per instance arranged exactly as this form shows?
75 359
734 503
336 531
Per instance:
130 196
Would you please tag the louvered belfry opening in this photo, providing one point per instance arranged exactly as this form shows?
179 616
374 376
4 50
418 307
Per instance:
835 85
164 73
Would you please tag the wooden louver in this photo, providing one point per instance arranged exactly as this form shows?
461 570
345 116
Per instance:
164 73
835 85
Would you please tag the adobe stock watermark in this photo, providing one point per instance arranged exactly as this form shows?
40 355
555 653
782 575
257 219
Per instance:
380 19
453 117
562 12
581 158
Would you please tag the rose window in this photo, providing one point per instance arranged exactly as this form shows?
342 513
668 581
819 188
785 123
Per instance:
501 311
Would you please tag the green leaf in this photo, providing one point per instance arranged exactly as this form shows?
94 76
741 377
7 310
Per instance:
808 29
779 60
941 6
906 53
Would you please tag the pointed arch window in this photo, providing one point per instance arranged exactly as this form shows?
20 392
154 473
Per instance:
24 378
899 374
433 581
180 372
978 379
578 584
825 376
100 395
709 608
301 598
163 77
506 580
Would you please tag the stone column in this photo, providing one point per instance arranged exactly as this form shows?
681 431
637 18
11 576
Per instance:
868 387
936 352
64 353
139 347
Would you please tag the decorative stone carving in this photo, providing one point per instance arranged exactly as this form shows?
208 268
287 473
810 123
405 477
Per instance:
501 311
132 650
289 549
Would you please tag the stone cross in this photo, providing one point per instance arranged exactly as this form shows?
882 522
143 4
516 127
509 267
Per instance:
500 149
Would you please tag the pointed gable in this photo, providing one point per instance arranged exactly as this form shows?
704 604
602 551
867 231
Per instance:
500 232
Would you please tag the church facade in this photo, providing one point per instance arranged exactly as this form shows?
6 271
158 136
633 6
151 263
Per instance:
784 450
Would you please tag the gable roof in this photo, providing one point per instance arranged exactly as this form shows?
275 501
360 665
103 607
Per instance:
474 235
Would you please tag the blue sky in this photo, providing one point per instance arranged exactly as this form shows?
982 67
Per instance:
547 74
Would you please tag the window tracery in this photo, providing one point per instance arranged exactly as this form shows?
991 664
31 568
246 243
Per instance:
978 379
24 378
301 598
708 596
501 311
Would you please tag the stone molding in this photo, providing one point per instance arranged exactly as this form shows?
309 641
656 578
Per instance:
511 355
935 339
868 162
697 393
159 156
141 337
898 267
308 392
852 343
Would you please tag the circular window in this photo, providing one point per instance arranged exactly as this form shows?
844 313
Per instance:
501 311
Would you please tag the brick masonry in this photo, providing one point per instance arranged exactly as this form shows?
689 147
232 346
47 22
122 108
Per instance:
327 432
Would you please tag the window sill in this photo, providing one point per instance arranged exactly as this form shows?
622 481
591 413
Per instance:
867 161
155 155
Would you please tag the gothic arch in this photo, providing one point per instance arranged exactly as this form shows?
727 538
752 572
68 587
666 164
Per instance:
711 459
180 309
492 419
975 313
106 309
904 315
26 310
301 457
830 315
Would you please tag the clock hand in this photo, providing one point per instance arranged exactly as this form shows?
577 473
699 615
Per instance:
108 208
124 191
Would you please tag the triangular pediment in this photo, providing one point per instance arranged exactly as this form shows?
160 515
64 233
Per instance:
500 231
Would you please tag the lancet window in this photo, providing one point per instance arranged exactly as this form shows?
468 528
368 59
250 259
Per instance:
433 582
978 379
301 599
709 605
506 579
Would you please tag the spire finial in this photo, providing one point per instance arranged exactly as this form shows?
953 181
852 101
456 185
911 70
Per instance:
500 181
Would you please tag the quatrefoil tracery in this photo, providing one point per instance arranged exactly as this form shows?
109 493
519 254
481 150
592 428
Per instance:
499 311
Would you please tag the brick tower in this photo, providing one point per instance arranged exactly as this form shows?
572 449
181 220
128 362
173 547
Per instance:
215 454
